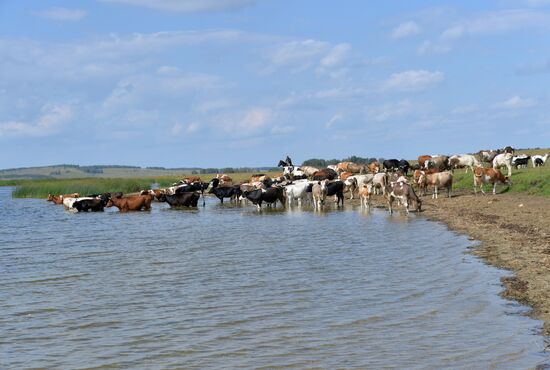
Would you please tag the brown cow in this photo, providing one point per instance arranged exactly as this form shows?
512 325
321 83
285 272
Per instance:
423 159
416 178
344 175
133 203
225 180
437 180
374 167
365 195
351 167
260 177
489 176
58 199
324 174
191 179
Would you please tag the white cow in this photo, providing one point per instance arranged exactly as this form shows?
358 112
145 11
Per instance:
297 191
464 160
379 181
503 159
539 160
355 182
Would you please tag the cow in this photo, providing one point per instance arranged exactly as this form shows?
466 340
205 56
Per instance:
437 180
336 188
319 193
441 162
344 175
93 204
423 159
416 178
261 177
489 176
503 159
133 203
297 191
365 195
189 199
404 166
464 161
379 181
271 195
354 182
351 167
391 164
56 199
225 180
487 156
520 161
374 167
324 174
221 192
539 160
404 193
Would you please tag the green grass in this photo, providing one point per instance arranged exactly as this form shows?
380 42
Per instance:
533 181
41 188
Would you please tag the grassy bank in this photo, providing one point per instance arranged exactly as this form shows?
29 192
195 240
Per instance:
41 188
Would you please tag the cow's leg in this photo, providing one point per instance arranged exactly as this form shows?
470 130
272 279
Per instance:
494 188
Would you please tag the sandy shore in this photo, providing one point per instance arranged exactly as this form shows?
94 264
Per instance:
515 233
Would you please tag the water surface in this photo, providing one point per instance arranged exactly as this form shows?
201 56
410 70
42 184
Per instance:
231 287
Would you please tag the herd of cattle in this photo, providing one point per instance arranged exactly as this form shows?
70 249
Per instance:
306 183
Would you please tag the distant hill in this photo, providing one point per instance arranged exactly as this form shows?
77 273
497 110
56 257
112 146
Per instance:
67 171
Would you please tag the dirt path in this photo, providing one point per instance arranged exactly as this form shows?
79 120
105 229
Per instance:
515 233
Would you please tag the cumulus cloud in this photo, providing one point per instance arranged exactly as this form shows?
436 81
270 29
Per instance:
413 80
406 29
187 6
516 102
63 14
51 118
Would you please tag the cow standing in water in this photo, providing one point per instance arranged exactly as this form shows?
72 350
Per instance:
270 196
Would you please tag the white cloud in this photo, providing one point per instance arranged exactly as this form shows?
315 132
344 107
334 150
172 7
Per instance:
413 80
397 110
187 6
193 127
335 118
516 102
176 129
48 123
255 118
336 55
166 70
63 14
406 29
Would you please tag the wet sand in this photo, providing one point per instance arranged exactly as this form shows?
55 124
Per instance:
514 230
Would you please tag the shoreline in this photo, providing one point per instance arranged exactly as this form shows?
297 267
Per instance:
514 234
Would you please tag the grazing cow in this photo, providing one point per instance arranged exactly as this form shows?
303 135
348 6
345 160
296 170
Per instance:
503 159
437 180
404 166
404 193
539 160
271 195
324 174
336 188
351 167
133 203
319 193
391 164
520 161
189 199
379 181
365 195
297 191
487 156
489 176
423 159
374 167
94 204
464 161
441 162
232 192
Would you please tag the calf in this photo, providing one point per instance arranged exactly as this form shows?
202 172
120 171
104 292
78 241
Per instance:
365 195
404 193
319 193
189 199
489 176
271 195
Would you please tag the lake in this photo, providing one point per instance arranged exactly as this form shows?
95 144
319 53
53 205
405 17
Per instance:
226 286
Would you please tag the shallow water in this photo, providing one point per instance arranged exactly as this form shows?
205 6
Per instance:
230 287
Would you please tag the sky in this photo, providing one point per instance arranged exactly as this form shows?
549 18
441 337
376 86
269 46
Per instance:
230 83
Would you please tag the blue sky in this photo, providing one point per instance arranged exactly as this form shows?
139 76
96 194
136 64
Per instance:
220 83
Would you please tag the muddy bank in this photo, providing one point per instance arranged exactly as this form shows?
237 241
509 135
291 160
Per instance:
515 233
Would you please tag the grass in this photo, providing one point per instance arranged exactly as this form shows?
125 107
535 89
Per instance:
41 188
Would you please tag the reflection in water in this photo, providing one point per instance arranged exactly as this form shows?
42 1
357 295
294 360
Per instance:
226 286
